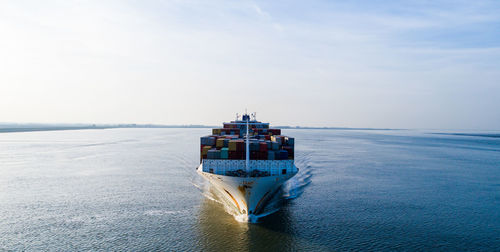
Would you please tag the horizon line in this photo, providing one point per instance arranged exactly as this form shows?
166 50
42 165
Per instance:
25 127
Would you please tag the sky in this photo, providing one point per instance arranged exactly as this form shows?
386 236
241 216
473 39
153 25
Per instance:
380 64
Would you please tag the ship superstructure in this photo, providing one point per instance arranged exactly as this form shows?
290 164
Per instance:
247 162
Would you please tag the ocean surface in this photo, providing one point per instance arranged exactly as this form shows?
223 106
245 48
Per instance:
137 189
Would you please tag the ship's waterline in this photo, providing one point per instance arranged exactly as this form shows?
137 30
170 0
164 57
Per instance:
248 195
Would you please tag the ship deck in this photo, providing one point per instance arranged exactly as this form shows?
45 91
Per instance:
257 168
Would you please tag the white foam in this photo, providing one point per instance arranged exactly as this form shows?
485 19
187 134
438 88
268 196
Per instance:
161 212
291 189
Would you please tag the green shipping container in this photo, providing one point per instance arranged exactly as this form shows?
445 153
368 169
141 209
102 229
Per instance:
224 153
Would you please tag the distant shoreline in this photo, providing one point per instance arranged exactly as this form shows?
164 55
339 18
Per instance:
12 128
493 135
30 128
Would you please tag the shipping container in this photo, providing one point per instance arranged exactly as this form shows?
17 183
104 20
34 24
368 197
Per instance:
229 143
263 146
232 145
280 139
275 146
254 146
204 140
283 154
240 145
262 155
277 155
274 131
212 154
211 140
289 150
236 154
205 150
220 143
270 155
224 153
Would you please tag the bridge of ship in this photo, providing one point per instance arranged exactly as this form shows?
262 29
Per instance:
257 168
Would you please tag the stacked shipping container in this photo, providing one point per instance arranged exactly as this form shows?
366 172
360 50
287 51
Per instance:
229 143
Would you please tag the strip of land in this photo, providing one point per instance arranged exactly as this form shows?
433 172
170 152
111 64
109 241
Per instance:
470 134
5 128
14 127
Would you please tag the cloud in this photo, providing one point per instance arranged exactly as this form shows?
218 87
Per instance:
260 12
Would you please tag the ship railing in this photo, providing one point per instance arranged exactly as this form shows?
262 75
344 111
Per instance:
257 168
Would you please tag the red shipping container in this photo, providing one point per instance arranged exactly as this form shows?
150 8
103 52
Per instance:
229 126
231 131
263 147
240 145
290 151
236 155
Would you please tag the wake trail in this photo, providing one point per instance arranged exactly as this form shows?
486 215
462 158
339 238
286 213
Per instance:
188 167
290 190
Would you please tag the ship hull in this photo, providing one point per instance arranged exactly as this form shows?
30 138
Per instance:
248 195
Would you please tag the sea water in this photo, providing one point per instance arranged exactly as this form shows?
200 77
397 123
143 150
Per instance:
137 189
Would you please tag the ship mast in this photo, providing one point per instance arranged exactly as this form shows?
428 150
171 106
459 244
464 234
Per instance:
247 159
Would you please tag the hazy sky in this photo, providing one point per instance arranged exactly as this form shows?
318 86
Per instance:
399 64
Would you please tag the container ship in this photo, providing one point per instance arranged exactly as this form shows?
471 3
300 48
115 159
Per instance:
247 163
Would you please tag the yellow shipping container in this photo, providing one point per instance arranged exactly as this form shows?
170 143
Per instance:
232 145
219 143
205 149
